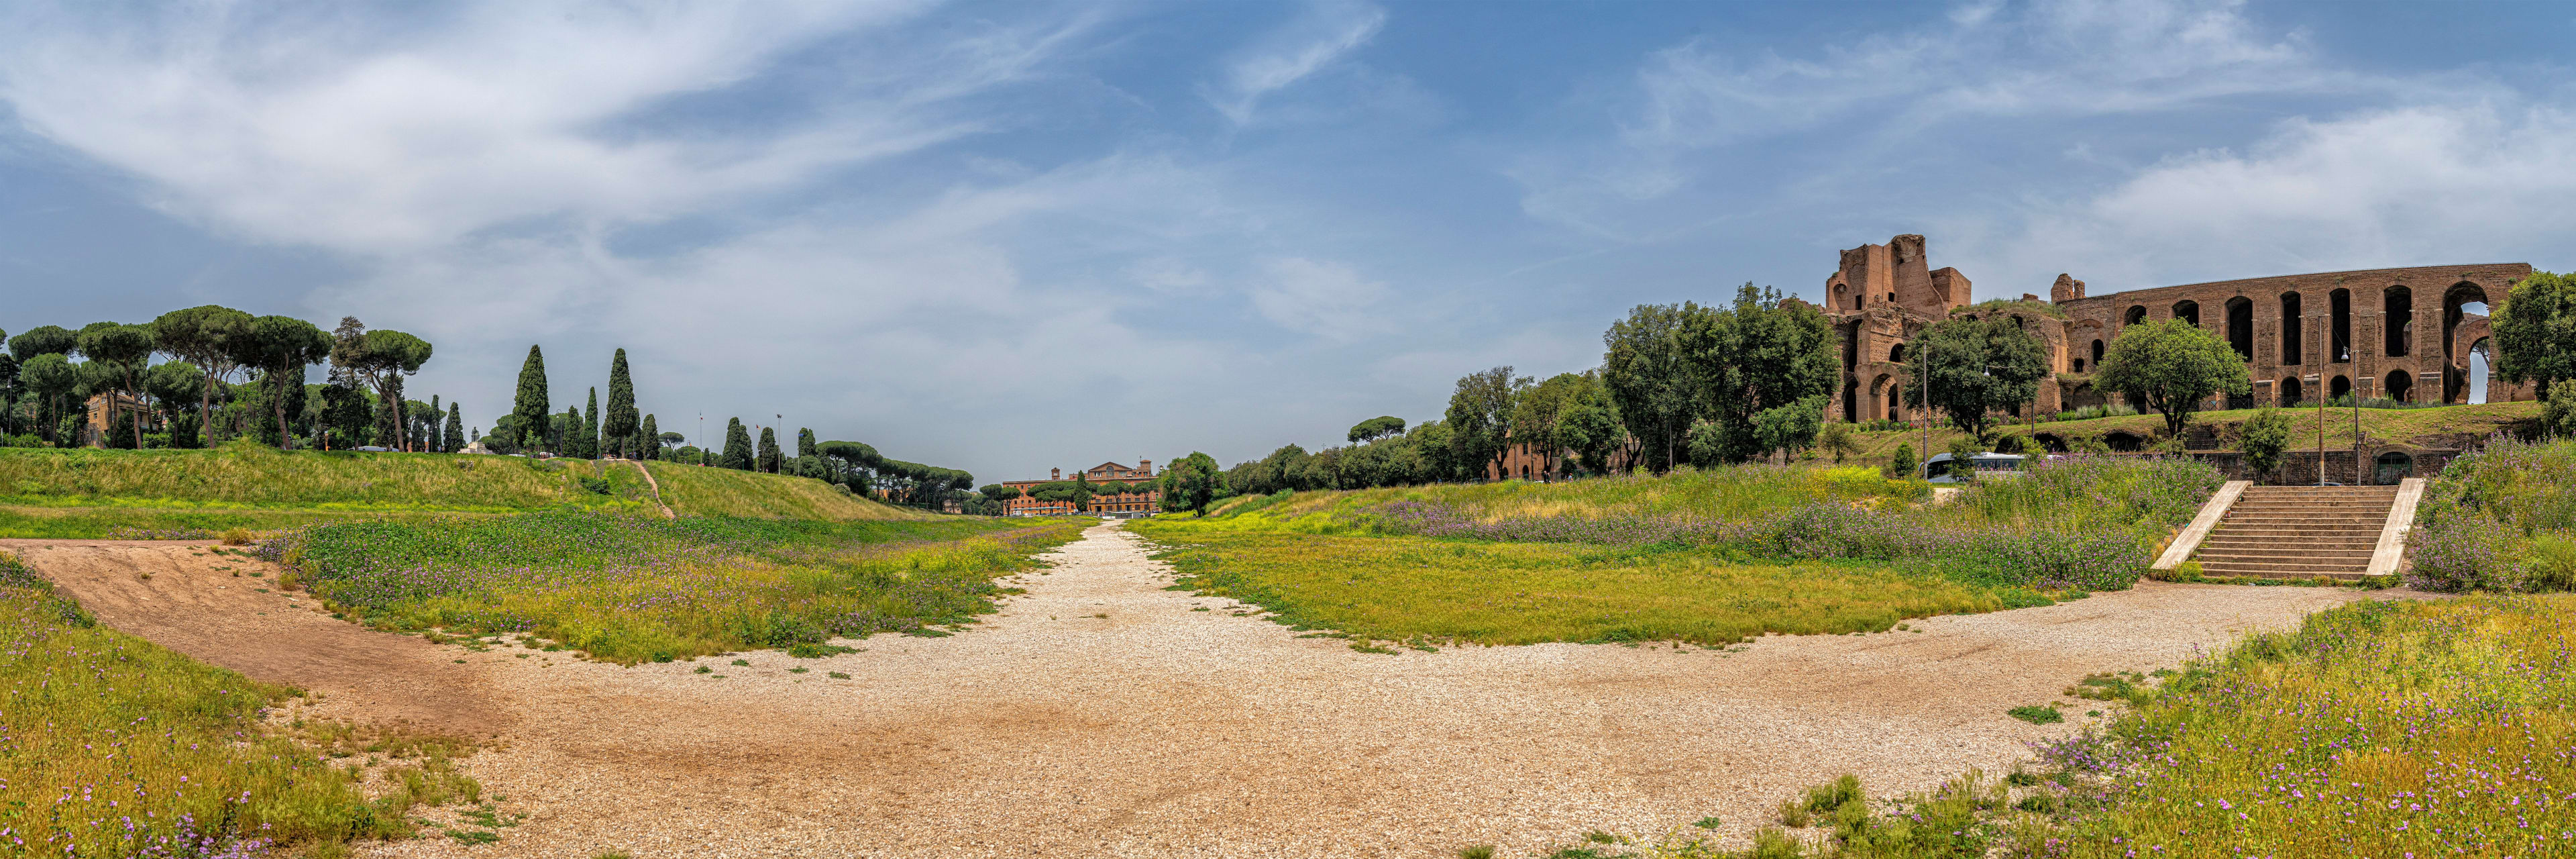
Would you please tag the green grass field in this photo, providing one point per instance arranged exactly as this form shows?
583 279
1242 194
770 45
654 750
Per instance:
1705 557
633 588
113 746
90 494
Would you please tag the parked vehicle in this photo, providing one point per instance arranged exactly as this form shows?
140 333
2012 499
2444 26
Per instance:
1937 469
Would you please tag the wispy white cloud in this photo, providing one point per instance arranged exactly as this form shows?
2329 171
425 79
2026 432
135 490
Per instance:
2408 185
330 129
1328 32
1320 297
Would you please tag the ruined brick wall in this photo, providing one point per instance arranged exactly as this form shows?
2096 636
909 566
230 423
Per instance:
2394 333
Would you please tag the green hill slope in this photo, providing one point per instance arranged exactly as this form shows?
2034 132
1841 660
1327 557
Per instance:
192 493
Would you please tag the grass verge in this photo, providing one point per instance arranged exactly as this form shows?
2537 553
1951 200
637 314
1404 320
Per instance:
113 746
2382 728
640 588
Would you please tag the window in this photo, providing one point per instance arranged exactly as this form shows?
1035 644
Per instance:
2137 314
2187 311
2290 346
2339 307
2399 322
2240 327
2097 353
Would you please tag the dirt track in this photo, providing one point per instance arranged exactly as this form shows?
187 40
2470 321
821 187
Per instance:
1160 731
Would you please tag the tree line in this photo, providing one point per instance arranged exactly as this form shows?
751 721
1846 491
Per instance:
205 375
620 430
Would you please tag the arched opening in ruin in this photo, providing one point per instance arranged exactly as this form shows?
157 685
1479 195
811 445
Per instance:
2339 305
1896 354
2290 345
2398 384
1896 402
2397 305
2240 327
1851 345
2097 353
2290 391
2339 388
2137 314
2049 441
2392 467
2125 441
1851 400
2187 311
2461 382
1882 406
2481 372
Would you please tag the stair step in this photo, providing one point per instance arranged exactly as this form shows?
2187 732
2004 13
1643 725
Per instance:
2359 557
2322 545
2261 568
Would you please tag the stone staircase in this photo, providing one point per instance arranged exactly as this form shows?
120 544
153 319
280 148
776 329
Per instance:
2282 532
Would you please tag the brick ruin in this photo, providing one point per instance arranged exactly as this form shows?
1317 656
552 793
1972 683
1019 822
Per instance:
2397 333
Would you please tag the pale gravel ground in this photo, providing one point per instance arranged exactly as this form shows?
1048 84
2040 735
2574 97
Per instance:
1160 731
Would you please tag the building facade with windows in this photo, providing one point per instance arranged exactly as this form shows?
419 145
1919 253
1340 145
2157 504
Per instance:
1140 503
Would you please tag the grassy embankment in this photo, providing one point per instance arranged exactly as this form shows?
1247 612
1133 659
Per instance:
112 493
2384 728
1706 557
2398 425
630 589
113 746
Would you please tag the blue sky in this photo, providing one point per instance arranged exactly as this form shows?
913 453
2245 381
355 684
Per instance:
1004 237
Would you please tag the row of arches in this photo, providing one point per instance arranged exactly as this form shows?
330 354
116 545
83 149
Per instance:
2463 381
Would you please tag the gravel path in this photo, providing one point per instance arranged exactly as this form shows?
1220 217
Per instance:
1051 730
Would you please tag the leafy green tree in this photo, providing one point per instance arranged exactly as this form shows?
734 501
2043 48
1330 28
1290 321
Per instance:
215 339
805 442
1650 378
345 413
43 340
2558 412
1375 428
530 404
50 376
617 428
1191 484
2535 332
1978 367
1591 426
124 348
379 359
2265 436
281 347
1903 464
590 428
1480 417
172 385
648 444
769 450
1757 368
1539 418
1836 438
737 446
2171 366
455 433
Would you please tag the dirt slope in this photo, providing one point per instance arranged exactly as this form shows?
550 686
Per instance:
1162 731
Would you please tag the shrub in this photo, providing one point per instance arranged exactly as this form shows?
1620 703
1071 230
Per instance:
1903 465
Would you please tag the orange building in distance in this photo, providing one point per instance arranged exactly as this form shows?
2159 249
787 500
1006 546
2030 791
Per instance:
1124 504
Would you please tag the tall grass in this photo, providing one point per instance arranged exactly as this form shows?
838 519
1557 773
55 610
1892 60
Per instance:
2502 519
635 588
113 746
2376 729
694 491
244 475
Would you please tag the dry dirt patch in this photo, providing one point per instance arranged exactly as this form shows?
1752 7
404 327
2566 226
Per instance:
1162 731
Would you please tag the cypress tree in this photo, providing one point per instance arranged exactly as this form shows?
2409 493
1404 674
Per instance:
590 428
437 441
649 440
805 442
737 448
531 404
455 434
769 450
567 432
618 429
